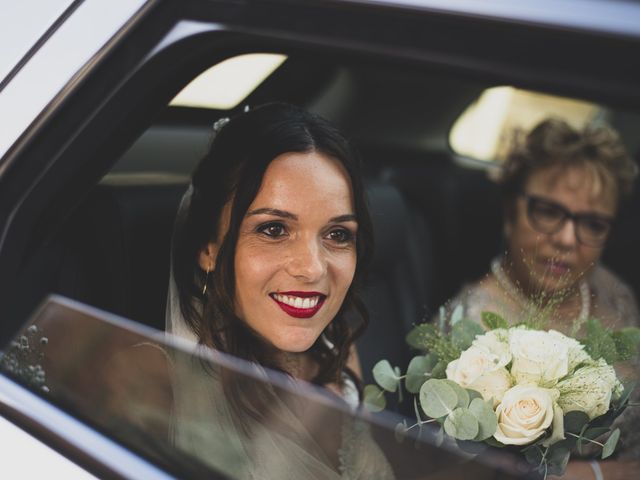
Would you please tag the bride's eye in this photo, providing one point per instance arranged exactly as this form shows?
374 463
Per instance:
340 236
272 229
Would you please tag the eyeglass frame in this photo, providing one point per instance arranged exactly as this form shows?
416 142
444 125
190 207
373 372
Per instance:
567 215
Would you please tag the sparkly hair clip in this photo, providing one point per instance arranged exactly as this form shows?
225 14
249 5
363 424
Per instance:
217 126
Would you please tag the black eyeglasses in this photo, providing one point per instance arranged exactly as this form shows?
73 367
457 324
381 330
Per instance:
549 217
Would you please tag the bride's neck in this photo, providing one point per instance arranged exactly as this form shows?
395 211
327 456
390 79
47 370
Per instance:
298 365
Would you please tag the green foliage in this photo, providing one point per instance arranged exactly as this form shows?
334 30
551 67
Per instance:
461 393
418 372
386 376
373 398
487 420
557 457
461 424
612 346
493 320
463 333
575 421
627 341
437 398
610 445
428 338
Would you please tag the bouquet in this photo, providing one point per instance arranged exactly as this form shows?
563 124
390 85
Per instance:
541 392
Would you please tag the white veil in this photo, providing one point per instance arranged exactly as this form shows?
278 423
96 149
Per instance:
174 320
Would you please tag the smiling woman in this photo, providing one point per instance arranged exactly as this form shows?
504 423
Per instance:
276 216
270 245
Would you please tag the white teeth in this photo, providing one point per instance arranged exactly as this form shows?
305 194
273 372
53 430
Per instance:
297 302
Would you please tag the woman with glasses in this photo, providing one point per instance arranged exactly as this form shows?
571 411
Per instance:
562 189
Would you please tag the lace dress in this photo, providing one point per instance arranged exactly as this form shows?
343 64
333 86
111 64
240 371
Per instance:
203 425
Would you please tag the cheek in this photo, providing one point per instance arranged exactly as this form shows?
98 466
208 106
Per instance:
588 256
253 270
521 237
343 268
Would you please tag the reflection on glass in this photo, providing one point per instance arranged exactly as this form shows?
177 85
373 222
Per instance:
195 412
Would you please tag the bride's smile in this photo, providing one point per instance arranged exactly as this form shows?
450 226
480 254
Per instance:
296 253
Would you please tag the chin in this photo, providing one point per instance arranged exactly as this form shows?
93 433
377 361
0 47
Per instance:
300 345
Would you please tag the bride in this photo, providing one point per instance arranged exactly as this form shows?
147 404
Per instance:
269 248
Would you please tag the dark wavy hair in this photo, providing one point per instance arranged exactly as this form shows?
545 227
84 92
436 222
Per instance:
553 142
232 170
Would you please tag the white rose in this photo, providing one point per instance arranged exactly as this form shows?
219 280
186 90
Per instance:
473 362
538 357
589 389
493 385
576 353
496 342
525 413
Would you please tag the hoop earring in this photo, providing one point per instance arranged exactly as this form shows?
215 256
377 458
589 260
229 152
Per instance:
206 278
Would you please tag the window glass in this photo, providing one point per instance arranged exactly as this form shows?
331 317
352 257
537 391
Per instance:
192 411
487 128
226 84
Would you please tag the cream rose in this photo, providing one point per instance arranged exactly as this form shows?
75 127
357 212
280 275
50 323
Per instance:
589 389
493 385
496 342
538 357
525 413
473 362
481 368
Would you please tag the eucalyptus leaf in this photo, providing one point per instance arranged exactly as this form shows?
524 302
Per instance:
418 372
464 333
473 394
437 398
610 444
557 459
486 417
574 421
439 370
385 376
461 424
626 393
461 393
492 442
534 455
373 398
457 315
594 432
492 320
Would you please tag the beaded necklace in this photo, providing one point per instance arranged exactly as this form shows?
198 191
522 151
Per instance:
508 286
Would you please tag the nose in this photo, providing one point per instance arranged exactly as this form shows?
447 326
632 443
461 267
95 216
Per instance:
566 237
307 260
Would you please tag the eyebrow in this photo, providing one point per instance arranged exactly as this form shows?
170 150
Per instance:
349 217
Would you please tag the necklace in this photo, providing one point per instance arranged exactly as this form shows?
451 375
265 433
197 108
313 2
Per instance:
524 302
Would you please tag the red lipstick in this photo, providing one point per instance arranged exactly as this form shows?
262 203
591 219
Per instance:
285 299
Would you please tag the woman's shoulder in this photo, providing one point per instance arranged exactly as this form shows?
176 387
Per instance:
612 295
477 297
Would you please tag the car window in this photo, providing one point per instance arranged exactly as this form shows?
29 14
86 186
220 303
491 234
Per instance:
226 84
178 404
488 127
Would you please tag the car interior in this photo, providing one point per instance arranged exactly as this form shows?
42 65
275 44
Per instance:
436 213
